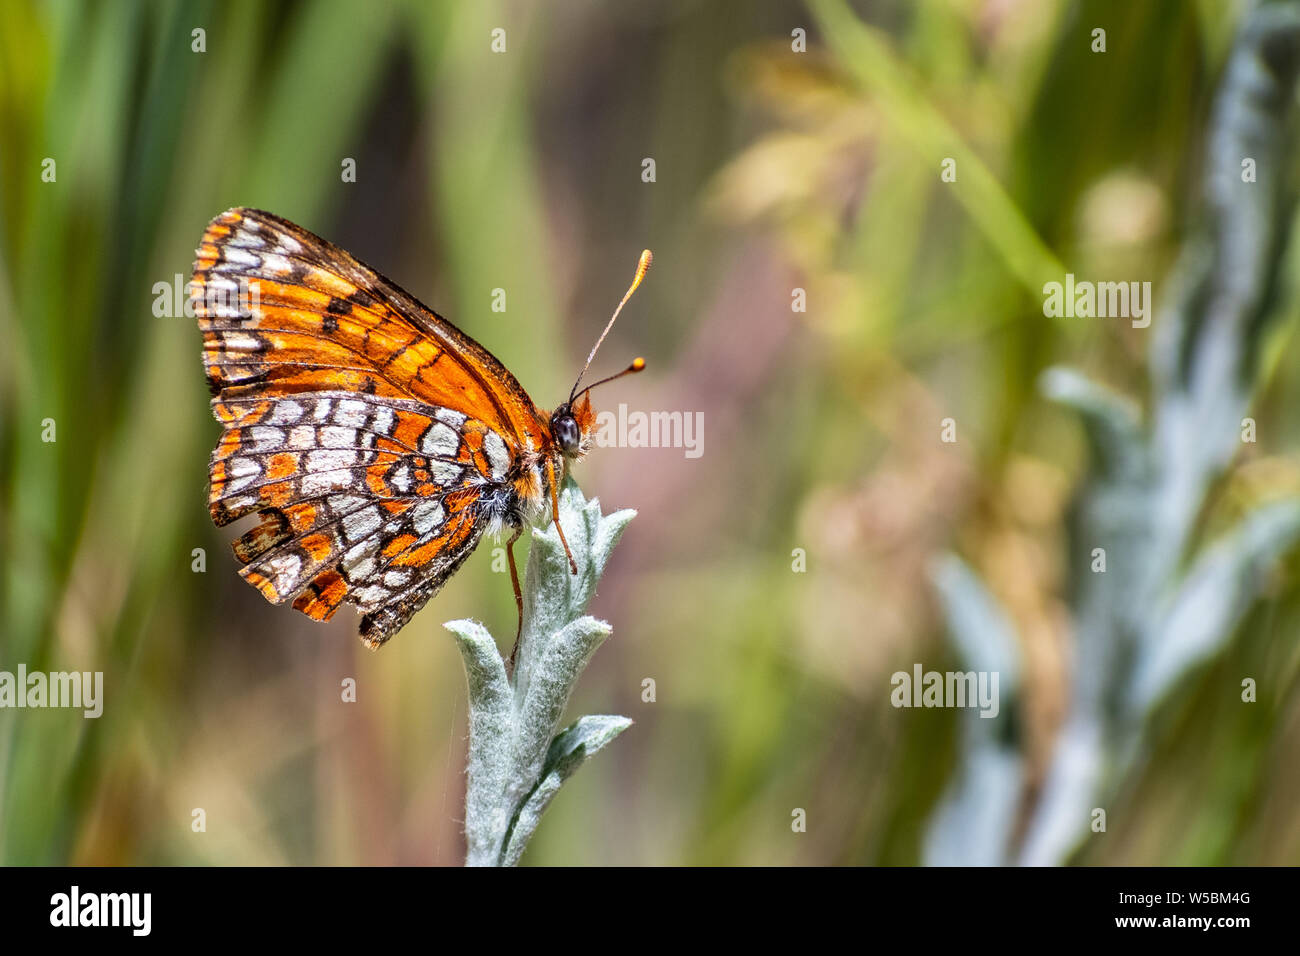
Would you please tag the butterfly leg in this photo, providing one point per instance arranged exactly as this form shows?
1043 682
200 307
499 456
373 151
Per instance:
519 594
555 516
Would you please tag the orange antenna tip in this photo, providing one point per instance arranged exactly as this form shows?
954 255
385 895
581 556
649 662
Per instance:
642 267
638 364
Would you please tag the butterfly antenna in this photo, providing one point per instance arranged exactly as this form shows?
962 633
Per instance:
642 267
638 364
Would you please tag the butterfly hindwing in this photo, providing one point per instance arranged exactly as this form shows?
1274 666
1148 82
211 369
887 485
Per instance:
370 500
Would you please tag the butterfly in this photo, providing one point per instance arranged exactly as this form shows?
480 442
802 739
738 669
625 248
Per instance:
375 441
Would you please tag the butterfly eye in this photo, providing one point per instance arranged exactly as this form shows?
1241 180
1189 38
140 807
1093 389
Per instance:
566 432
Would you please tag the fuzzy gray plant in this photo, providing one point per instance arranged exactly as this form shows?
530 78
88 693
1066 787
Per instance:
1166 602
518 757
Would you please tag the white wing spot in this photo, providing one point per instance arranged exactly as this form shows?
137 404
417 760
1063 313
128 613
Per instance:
286 412
240 467
221 283
330 459
440 441
371 595
243 501
342 504
244 238
284 570
383 420
450 417
276 265
360 570
319 483
426 516
235 259
266 438
238 484
444 472
361 524
351 412
358 561
401 477
497 454
334 436
240 342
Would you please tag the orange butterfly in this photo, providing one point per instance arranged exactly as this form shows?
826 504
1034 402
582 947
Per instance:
377 442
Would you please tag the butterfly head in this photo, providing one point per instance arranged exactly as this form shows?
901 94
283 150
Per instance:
573 423
571 426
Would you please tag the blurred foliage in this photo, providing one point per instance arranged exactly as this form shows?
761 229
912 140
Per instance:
776 170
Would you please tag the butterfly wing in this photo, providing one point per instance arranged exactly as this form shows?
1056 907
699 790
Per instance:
364 429
325 320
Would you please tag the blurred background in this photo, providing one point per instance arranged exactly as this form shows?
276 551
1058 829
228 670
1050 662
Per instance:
769 587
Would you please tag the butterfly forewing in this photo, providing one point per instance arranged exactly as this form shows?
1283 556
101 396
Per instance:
326 320
362 428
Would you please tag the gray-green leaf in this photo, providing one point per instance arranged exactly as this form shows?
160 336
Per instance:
517 761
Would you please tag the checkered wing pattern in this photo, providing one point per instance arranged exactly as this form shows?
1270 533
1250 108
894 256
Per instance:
362 428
